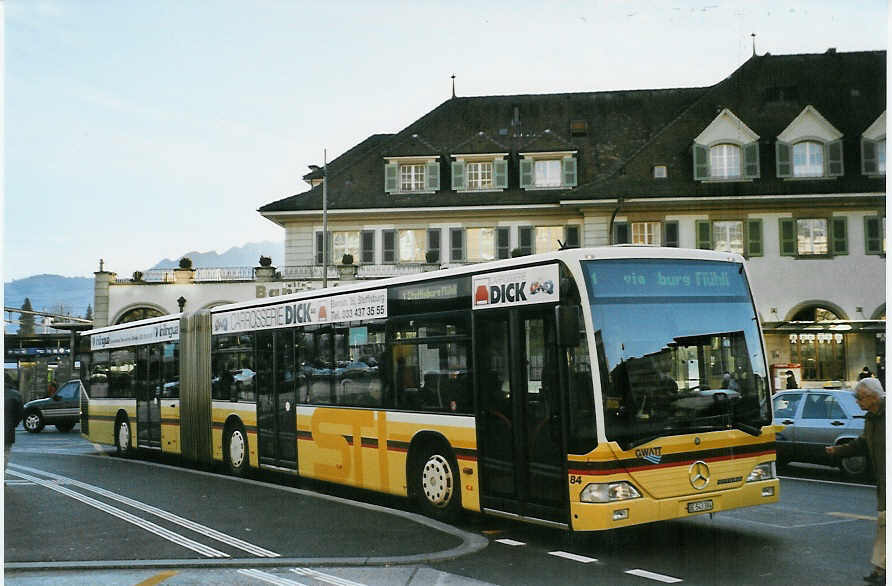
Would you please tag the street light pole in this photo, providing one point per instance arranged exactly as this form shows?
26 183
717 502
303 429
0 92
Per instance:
324 218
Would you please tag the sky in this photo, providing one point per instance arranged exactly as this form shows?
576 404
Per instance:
136 131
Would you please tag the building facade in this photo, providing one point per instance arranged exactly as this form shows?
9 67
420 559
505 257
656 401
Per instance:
783 161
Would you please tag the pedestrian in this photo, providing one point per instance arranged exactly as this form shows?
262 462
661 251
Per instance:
51 389
865 373
791 380
12 412
872 442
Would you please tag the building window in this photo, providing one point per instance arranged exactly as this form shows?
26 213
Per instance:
524 240
503 242
724 161
814 237
456 244
481 244
646 233
548 172
811 236
410 246
479 175
873 156
875 235
368 247
821 354
411 177
548 238
727 236
388 246
660 172
433 242
344 243
808 159
571 236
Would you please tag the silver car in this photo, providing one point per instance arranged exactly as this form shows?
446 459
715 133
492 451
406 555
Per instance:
816 418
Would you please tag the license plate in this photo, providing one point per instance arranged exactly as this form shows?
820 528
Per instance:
700 506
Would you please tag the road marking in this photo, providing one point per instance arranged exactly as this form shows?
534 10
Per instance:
572 556
853 516
327 578
157 579
654 576
167 516
819 481
133 519
510 542
270 578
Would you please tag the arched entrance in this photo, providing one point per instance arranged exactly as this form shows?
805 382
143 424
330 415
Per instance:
818 346
138 313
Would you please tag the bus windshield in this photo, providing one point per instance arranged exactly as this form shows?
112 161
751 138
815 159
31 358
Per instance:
679 348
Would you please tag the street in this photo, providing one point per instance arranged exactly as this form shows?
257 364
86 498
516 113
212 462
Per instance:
75 513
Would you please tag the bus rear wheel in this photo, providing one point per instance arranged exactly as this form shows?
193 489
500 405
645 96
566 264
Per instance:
235 450
436 485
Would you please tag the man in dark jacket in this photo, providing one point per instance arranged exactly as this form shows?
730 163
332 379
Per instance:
12 412
870 396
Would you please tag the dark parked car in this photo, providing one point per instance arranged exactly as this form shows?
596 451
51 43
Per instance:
814 419
61 410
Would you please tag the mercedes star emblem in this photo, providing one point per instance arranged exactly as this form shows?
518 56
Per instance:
698 474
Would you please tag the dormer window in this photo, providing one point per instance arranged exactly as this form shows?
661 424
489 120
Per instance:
873 148
412 174
726 150
548 170
810 147
486 172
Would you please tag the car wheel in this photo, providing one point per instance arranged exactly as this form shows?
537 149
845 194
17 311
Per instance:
33 421
235 450
64 427
436 484
854 466
123 446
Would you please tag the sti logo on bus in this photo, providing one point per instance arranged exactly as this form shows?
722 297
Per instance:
519 287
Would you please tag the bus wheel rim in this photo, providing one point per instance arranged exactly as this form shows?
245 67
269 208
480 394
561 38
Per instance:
236 449
436 481
124 435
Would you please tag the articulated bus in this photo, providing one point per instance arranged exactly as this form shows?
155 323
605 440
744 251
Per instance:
585 389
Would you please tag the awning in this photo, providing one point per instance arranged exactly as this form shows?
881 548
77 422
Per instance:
832 327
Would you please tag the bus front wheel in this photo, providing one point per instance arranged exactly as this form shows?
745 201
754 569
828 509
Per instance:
236 450
437 487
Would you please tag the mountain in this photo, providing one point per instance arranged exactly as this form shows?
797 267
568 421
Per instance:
74 294
237 256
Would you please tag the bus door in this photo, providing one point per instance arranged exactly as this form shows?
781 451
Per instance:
276 406
148 396
521 409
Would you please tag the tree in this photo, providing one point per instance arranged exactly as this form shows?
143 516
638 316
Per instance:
89 314
26 320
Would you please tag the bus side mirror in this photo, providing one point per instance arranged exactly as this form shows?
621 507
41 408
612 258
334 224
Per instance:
567 317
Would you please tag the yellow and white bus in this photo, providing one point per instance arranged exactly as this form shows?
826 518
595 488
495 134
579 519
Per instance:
585 389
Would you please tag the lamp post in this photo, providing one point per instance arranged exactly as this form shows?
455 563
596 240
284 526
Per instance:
324 218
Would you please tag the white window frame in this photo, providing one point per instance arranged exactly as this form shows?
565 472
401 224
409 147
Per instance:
725 161
808 239
411 177
805 163
646 232
723 237
479 175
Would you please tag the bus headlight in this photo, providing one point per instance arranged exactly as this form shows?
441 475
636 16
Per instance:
764 471
608 492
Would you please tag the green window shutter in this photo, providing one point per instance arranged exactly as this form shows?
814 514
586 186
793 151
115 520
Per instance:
704 234
787 229
839 238
500 174
571 236
458 175
868 156
751 160
526 173
783 152
834 158
670 233
754 238
568 166
701 162
621 233
391 173
873 237
432 176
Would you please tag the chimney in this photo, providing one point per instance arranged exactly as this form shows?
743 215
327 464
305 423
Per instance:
831 51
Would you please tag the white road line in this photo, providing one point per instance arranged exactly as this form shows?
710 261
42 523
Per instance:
327 578
133 519
572 556
269 578
510 542
654 576
182 522
853 516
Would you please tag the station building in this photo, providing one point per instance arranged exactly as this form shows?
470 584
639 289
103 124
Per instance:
783 162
